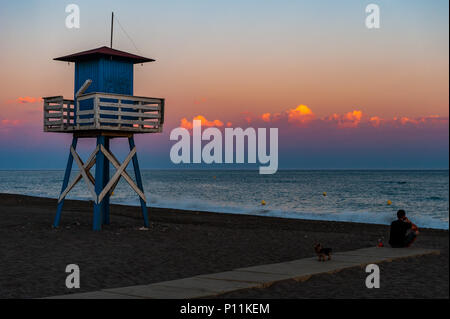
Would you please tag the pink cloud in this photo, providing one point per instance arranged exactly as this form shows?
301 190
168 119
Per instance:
248 117
25 100
200 100
375 121
10 123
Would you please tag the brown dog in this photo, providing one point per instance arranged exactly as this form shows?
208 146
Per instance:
322 252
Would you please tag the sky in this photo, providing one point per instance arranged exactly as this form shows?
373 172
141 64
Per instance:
342 96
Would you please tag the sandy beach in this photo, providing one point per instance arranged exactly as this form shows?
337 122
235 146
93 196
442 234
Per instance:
183 243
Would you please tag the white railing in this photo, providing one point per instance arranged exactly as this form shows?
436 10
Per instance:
58 114
106 111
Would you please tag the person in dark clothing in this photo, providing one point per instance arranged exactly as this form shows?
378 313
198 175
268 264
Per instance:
403 232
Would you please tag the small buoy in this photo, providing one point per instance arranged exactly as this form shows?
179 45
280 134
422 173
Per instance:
324 193
263 202
214 177
389 202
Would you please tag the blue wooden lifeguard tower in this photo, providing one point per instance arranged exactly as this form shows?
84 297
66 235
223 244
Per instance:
103 108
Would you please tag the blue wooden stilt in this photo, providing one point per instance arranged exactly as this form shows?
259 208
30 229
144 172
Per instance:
65 182
137 174
99 180
105 204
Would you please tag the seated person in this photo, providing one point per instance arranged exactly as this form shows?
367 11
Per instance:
403 232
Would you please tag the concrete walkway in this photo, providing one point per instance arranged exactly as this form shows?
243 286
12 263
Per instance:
252 277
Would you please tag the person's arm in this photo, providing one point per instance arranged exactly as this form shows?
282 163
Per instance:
413 226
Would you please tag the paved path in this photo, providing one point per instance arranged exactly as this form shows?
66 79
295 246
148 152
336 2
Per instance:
252 277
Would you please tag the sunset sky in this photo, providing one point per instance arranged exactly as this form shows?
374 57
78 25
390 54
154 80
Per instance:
342 95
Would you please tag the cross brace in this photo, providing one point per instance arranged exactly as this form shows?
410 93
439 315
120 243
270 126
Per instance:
101 193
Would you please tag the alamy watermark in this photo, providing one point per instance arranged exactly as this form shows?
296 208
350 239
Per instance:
372 20
73 279
373 279
373 17
212 152
73 19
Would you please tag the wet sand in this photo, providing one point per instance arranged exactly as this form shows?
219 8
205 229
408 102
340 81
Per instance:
182 244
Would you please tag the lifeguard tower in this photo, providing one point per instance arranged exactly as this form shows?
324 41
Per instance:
103 108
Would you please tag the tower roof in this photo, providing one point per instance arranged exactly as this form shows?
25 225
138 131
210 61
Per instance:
106 52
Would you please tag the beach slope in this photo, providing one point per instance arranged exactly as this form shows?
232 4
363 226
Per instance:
182 244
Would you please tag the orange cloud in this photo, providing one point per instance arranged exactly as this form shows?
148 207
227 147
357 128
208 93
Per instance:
352 119
404 120
266 117
301 114
188 125
247 116
348 120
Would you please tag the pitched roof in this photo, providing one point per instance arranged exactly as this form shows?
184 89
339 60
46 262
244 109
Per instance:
103 51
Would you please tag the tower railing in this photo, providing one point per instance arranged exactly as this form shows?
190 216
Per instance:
104 111
58 114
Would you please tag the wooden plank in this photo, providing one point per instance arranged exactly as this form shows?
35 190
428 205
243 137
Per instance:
95 133
120 112
85 97
83 172
77 107
84 87
131 114
84 113
136 130
56 115
116 121
56 122
85 121
53 99
117 174
89 164
48 107
115 162
96 109
130 106
126 97
120 172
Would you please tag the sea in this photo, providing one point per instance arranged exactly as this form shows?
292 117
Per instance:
366 196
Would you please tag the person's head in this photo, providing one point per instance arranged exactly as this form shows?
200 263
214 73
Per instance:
401 214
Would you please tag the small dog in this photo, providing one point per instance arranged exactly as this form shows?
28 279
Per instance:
322 252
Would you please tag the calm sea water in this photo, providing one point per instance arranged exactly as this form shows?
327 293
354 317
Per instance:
359 196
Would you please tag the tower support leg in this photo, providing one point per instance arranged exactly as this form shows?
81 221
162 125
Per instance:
105 203
65 182
99 180
137 174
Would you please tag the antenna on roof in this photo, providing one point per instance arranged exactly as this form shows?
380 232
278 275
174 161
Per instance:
112 28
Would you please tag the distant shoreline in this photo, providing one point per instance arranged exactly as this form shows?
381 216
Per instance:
178 210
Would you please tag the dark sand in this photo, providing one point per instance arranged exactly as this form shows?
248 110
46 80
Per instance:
182 244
